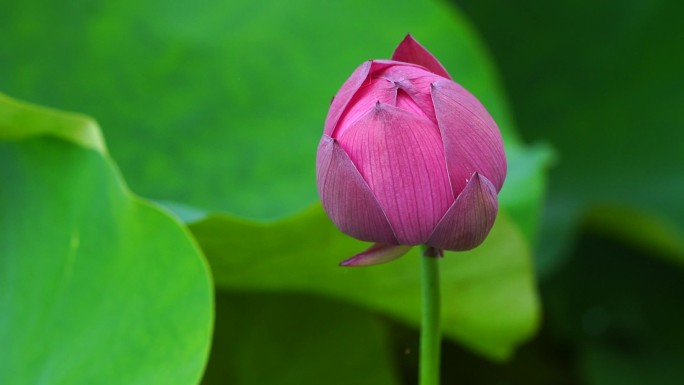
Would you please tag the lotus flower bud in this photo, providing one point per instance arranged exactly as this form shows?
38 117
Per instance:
409 157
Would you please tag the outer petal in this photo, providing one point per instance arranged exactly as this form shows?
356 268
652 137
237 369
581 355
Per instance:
401 157
472 141
344 95
469 219
346 198
376 254
410 51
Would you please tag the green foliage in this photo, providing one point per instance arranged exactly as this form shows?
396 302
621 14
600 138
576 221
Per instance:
644 231
220 104
97 286
489 298
622 309
600 81
215 109
297 339
23 121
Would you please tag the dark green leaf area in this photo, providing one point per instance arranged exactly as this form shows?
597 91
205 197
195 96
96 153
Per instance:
622 312
600 81
285 339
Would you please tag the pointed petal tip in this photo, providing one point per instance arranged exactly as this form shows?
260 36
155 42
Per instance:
436 85
476 178
409 39
469 220
377 254
411 51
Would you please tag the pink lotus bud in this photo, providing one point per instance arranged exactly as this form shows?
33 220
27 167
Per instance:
409 157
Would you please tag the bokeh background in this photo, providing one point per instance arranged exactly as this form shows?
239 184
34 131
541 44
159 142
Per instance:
599 80
212 110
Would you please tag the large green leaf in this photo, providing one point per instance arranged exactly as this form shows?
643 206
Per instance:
220 104
645 231
96 285
602 82
281 339
489 296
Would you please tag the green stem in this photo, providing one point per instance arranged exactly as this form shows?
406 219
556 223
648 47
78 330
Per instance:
430 333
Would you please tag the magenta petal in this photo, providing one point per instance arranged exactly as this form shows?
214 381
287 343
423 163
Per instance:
472 141
344 95
469 219
346 198
415 82
376 254
401 157
367 96
410 51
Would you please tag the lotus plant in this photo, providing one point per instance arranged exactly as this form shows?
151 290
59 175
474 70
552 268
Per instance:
409 157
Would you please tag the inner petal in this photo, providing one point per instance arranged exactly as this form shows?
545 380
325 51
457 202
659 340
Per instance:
373 91
405 102
416 83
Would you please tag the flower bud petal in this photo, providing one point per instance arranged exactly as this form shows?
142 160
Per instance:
401 157
414 82
346 198
376 254
410 51
344 95
371 92
472 141
469 219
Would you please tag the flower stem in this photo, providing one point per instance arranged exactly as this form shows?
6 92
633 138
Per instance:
430 333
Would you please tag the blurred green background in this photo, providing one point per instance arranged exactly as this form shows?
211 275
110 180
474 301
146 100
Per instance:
212 110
